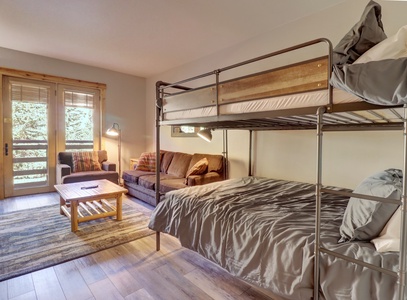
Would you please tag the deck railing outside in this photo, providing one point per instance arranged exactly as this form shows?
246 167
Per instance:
30 160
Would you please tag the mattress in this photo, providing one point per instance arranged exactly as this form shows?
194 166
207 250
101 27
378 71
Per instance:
309 99
262 230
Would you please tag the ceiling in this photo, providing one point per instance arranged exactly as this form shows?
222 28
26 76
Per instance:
141 37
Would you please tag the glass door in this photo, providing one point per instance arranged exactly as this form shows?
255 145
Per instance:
29 136
78 118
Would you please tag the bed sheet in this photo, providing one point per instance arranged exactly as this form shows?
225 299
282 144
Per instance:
262 230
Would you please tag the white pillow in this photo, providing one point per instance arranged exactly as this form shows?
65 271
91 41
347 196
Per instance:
389 238
391 48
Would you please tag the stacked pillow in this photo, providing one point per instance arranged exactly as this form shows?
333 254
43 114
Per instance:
393 47
365 219
389 238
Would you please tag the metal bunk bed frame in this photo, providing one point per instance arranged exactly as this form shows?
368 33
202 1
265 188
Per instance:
324 120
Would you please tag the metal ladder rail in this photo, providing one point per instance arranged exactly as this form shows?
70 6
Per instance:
401 274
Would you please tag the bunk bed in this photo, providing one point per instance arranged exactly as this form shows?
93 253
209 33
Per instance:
283 235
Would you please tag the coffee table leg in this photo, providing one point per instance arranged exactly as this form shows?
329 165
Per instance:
61 203
74 216
119 208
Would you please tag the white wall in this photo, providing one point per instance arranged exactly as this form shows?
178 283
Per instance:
291 155
125 97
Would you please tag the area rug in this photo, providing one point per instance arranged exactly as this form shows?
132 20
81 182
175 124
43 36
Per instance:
37 238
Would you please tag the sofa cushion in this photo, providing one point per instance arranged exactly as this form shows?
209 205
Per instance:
169 185
148 181
179 164
85 161
133 175
166 160
215 161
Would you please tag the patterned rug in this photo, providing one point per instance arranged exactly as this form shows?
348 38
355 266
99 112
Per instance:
37 238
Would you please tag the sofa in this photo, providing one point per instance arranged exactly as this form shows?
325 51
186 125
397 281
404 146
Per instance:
85 166
177 170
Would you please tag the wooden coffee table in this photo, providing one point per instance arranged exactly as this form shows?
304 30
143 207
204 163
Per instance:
85 201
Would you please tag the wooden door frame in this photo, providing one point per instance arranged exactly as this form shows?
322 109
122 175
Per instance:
52 79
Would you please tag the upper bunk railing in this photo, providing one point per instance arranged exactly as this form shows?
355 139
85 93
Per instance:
209 95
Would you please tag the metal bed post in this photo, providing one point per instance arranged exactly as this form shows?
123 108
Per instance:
403 230
318 186
157 153
250 151
225 154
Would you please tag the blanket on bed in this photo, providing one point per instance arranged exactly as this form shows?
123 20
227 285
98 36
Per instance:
262 230
368 64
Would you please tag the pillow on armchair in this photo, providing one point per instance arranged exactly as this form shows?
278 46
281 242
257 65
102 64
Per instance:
85 161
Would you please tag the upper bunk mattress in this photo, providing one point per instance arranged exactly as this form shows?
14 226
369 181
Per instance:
300 100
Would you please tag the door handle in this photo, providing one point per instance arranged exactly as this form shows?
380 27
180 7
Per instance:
6 149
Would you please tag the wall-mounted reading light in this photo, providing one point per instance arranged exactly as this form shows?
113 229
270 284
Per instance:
205 134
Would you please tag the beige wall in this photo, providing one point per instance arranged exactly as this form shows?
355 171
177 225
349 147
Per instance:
125 97
348 157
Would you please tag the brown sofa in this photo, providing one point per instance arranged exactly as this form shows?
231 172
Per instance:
173 169
65 172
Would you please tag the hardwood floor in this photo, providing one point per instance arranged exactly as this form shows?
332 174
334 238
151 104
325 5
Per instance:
129 271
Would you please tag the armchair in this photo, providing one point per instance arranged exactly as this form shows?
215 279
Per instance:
66 171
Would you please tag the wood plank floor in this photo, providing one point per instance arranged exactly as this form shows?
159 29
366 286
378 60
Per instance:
130 271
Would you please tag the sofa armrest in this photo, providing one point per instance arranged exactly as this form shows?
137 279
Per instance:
62 170
108 166
204 179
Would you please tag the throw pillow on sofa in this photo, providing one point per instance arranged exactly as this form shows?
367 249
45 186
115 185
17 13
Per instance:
85 161
199 168
147 161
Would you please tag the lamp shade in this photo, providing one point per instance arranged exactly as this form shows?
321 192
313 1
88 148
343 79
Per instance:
114 130
205 134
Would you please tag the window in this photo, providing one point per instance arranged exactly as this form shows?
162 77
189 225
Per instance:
80 128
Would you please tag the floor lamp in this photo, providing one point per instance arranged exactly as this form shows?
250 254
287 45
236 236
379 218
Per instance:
116 131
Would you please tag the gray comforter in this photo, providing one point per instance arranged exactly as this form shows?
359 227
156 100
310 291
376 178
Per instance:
382 82
262 230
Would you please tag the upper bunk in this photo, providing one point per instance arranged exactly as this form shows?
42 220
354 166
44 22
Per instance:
366 90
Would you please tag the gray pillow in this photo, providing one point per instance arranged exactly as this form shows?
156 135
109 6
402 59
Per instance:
364 35
364 219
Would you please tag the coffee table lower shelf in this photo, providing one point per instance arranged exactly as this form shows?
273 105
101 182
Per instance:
90 210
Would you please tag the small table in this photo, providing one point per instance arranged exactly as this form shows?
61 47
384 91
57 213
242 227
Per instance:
91 197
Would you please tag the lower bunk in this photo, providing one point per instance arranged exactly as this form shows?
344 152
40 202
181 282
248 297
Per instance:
263 231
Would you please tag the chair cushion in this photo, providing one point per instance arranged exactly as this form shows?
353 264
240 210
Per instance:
91 175
85 161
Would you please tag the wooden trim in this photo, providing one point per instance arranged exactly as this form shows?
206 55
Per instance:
51 78
302 77
306 76
2 183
